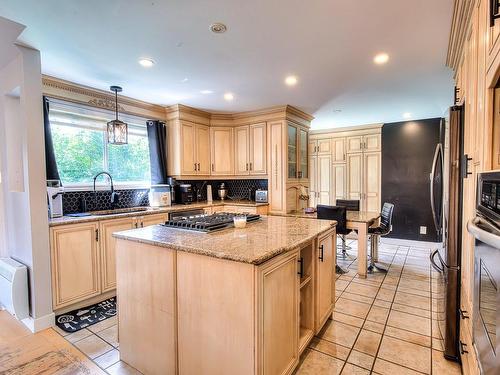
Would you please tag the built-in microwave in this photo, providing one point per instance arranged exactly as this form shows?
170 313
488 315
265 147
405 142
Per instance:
485 228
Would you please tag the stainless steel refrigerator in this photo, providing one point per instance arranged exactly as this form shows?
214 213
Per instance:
446 191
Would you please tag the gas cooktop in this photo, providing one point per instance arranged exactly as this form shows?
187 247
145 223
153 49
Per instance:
207 223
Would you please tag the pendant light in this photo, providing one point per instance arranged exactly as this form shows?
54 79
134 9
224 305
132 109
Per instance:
117 130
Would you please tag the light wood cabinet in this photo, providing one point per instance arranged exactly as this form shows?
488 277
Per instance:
75 263
363 143
147 220
325 265
250 149
222 151
364 179
339 182
108 248
321 183
297 152
355 176
338 148
194 148
354 144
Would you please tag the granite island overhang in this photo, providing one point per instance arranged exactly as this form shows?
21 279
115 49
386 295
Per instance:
235 301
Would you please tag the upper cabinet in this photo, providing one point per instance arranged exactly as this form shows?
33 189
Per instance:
363 143
250 149
297 146
221 141
195 149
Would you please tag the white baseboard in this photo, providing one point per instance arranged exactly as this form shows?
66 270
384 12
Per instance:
39 324
411 243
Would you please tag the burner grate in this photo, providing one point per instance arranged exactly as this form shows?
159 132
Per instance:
207 223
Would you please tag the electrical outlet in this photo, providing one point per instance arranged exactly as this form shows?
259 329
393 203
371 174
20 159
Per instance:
423 230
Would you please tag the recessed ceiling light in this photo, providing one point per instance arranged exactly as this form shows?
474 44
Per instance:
146 62
218 28
291 80
228 96
407 115
206 92
381 58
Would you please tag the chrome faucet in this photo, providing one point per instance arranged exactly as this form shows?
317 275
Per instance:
115 197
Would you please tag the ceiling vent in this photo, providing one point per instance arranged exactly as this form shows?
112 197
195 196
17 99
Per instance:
218 28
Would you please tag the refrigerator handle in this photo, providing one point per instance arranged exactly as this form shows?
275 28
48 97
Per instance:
431 183
433 263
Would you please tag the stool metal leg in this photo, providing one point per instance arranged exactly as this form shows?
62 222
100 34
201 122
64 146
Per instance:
374 255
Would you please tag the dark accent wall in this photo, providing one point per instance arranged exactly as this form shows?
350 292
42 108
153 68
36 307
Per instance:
407 154
237 189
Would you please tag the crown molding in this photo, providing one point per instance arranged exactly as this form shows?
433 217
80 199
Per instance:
460 25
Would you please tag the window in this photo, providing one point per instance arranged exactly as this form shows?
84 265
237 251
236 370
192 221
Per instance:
82 150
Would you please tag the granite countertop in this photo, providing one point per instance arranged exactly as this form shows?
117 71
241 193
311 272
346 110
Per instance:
151 211
357 216
255 244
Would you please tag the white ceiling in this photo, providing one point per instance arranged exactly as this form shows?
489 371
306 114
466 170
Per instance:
328 44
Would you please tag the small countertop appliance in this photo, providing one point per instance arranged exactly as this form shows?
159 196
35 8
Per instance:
184 194
261 196
160 196
54 201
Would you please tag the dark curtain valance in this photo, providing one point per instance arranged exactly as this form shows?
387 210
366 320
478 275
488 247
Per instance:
50 159
157 139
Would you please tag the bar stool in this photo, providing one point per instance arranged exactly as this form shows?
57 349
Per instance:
383 229
339 214
350 205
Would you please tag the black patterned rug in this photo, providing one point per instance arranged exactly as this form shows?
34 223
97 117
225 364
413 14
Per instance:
81 318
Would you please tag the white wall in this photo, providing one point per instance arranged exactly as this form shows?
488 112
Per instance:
23 203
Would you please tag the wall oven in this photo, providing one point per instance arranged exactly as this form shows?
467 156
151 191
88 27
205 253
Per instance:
485 228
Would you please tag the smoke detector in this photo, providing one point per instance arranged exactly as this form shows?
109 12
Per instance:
218 28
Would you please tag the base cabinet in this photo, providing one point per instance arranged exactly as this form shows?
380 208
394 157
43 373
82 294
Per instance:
259 327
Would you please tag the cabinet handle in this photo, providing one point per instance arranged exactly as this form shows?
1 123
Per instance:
250 166
299 174
462 346
142 224
198 167
321 255
136 225
344 157
97 235
301 268
212 167
195 166
247 167
463 314
465 163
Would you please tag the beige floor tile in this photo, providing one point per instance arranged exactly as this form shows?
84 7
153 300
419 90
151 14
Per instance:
409 322
357 297
374 327
330 348
388 368
106 323
415 284
93 346
108 359
364 290
382 303
121 368
386 294
411 310
442 366
316 363
406 354
378 314
339 333
417 292
348 319
110 335
367 342
361 359
413 300
412 337
349 307
340 285
350 369
77 336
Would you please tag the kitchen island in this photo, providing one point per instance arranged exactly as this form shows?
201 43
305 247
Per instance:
236 301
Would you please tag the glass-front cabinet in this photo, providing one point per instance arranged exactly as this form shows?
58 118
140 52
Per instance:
297 143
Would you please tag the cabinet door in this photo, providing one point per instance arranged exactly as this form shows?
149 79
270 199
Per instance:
108 250
324 146
325 179
278 302
354 176
222 151
292 152
148 220
372 142
338 146
371 175
75 263
241 151
339 182
303 156
313 180
258 147
203 149
313 147
325 264
354 144
188 148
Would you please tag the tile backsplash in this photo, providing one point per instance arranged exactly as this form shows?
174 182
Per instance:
237 189
102 200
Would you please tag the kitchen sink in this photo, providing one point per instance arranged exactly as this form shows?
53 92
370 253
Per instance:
118 211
